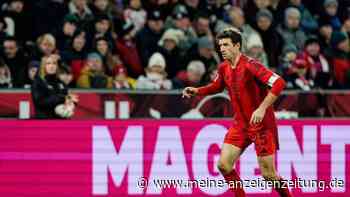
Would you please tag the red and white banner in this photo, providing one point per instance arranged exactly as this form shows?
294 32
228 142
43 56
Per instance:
140 157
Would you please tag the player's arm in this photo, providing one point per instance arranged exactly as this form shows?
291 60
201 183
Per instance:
274 81
216 86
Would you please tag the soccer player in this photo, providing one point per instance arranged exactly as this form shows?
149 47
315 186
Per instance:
253 89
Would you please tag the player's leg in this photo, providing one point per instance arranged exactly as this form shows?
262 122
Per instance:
266 144
232 148
229 155
268 171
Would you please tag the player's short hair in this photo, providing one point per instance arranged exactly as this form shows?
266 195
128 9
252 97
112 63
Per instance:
232 33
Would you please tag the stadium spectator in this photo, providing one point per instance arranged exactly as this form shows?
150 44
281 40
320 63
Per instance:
46 46
48 16
93 75
340 59
80 10
17 11
277 8
253 6
156 76
64 35
3 26
33 70
101 7
147 38
102 28
316 63
72 28
289 54
192 76
194 7
325 33
75 55
180 20
135 14
16 60
121 79
171 52
5 75
330 14
203 50
201 25
126 48
307 22
104 49
237 20
266 30
301 76
290 30
65 75
345 26
48 91
210 74
255 49
218 9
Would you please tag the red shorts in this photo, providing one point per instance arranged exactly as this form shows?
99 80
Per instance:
266 141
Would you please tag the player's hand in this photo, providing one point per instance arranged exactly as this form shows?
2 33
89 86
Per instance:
257 116
188 92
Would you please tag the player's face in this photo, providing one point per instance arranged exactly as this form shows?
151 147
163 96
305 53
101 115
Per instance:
228 50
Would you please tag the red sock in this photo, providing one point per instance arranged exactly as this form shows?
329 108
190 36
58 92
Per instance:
231 178
283 190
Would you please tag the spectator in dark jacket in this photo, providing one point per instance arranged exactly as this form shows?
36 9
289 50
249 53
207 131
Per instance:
16 61
80 10
21 16
3 26
48 91
147 38
171 52
126 47
48 15
340 59
99 7
330 14
102 28
204 51
264 26
64 35
75 55
33 69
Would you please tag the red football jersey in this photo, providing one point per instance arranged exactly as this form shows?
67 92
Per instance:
247 84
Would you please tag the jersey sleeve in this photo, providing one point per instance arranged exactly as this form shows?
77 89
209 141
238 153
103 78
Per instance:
267 77
216 86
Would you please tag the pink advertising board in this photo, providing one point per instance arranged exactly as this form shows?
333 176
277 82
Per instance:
163 158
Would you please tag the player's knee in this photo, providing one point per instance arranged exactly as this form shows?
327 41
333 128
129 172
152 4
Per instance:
224 167
269 175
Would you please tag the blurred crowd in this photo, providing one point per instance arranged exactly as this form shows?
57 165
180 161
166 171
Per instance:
170 44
